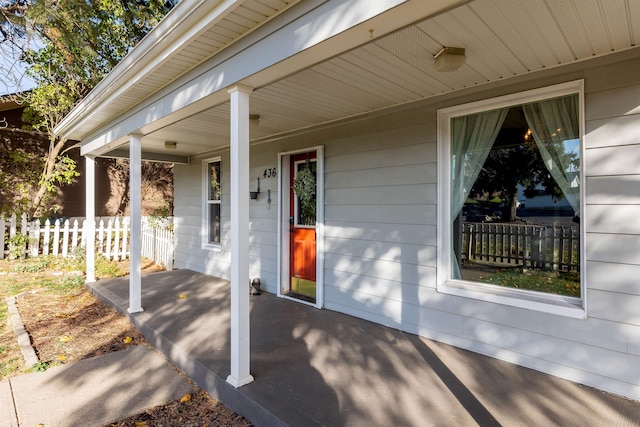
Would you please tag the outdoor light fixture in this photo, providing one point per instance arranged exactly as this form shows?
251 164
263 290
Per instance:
254 194
449 59
170 145
254 119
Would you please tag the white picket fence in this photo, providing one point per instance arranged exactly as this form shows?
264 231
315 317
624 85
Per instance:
63 237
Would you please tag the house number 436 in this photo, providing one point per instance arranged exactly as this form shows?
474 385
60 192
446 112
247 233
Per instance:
269 173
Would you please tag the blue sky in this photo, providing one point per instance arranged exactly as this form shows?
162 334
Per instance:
7 62
7 86
572 145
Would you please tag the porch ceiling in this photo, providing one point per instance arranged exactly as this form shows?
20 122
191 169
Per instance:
228 26
503 38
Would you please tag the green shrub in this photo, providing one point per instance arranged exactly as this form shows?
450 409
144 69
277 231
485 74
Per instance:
60 284
18 244
76 261
106 267
32 265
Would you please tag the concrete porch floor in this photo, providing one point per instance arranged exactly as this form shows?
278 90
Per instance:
320 367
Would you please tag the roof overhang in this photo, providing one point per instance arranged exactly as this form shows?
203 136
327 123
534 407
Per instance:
308 33
324 61
183 23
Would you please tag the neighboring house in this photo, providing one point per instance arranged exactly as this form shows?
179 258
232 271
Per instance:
350 93
111 181
541 199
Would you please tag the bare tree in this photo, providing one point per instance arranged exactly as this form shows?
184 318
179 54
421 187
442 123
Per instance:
157 182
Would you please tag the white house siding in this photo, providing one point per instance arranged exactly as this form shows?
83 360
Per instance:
613 198
188 252
380 217
188 222
380 233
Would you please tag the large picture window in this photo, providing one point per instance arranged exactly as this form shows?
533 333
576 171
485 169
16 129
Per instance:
211 215
511 186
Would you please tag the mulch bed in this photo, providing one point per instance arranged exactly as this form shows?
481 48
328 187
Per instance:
193 410
68 328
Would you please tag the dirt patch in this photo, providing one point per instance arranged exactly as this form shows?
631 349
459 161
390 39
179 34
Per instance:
193 410
68 328
72 327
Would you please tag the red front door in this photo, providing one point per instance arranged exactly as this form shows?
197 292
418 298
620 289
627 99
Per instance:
302 226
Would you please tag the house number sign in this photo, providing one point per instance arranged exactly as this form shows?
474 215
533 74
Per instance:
270 173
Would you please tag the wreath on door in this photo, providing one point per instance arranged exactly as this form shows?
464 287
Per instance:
304 186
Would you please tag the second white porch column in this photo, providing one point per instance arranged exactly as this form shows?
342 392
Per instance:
135 223
240 333
90 217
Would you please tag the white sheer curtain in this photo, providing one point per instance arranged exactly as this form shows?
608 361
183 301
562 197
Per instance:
553 122
472 137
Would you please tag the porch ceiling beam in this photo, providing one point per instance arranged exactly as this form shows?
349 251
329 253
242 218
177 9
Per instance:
267 55
152 157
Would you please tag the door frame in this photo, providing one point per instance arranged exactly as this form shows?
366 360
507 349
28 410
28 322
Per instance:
283 223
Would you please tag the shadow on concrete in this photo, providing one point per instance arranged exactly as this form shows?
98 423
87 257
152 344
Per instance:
321 367
97 391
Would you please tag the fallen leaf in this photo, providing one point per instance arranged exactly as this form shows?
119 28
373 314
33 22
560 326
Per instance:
141 424
62 358
185 398
127 340
182 296
66 338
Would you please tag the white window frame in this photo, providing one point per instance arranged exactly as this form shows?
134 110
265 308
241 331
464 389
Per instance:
556 304
205 205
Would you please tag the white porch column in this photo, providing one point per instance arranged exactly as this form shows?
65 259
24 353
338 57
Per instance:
240 333
90 217
135 223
